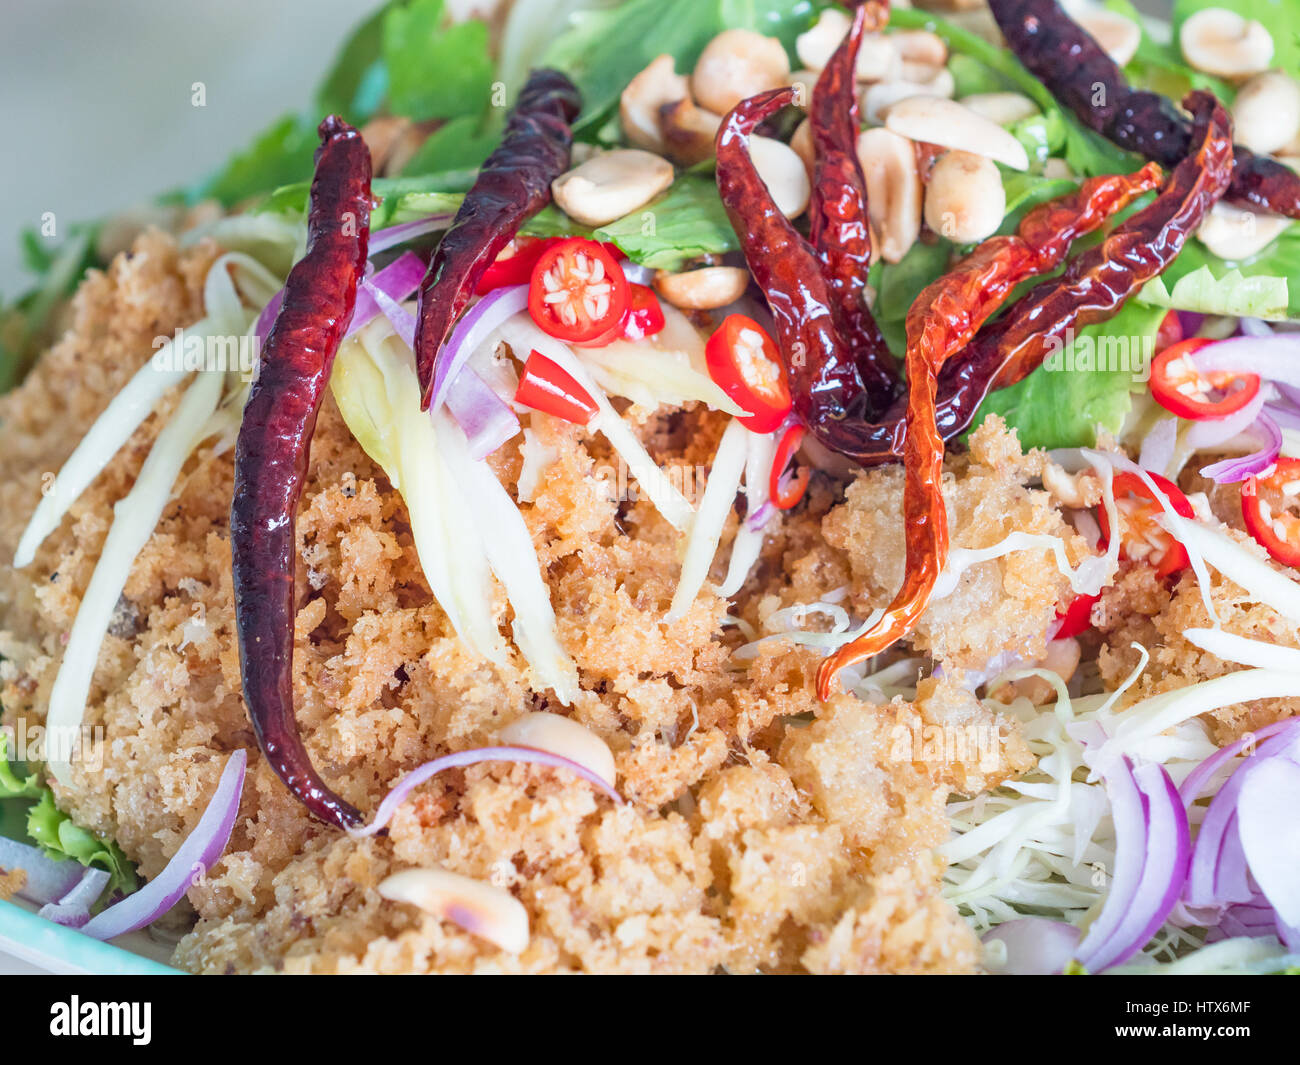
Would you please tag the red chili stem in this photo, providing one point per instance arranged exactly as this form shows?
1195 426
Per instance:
512 186
272 451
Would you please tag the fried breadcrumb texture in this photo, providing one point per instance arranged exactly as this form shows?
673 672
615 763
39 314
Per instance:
764 831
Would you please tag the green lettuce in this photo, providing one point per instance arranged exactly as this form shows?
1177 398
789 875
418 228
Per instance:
1261 296
435 69
604 49
54 831
1062 403
684 223
1281 259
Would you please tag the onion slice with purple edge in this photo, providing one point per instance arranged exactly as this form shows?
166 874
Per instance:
485 418
1217 876
1230 471
1202 436
1270 835
200 851
1035 946
473 328
73 910
1272 358
461 759
48 879
1152 851
391 236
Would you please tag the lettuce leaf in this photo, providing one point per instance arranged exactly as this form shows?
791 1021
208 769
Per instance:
1062 403
684 223
435 69
603 50
1281 259
1261 296
54 831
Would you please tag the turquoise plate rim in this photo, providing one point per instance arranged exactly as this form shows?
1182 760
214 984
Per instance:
65 950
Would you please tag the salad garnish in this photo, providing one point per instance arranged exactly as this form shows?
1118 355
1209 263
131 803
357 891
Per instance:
272 452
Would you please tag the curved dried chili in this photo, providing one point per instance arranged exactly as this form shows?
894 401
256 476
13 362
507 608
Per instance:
940 323
1080 74
1095 285
839 227
272 451
824 382
512 186
1048 230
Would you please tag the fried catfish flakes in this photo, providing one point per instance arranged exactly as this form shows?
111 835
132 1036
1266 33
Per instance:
765 831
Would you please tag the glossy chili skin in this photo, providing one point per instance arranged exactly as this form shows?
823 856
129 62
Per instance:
941 322
1082 76
1096 284
1042 241
837 208
512 186
824 381
272 450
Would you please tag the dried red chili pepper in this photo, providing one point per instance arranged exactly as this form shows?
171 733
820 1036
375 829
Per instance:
512 186
1062 55
940 323
272 450
1096 284
837 209
824 382
1049 230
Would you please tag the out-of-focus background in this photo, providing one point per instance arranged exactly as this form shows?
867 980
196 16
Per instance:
95 96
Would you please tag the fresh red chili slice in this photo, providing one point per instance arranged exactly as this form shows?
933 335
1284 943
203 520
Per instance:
744 362
549 388
644 318
514 266
1269 505
1142 537
1075 618
1170 331
785 493
578 291
1182 389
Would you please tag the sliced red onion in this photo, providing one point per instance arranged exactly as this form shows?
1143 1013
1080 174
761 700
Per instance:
1287 417
396 282
1255 327
73 910
1216 875
402 320
1270 833
267 318
761 514
485 418
1193 785
470 332
1190 321
1290 393
391 236
200 851
1273 358
1232 470
1253 919
48 879
1152 851
1204 435
460 759
1035 946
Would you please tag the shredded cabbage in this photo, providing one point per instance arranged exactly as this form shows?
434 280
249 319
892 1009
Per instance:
748 544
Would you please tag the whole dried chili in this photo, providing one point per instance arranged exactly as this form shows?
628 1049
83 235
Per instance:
839 227
1050 229
1062 55
1095 285
512 186
273 447
940 323
825 384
